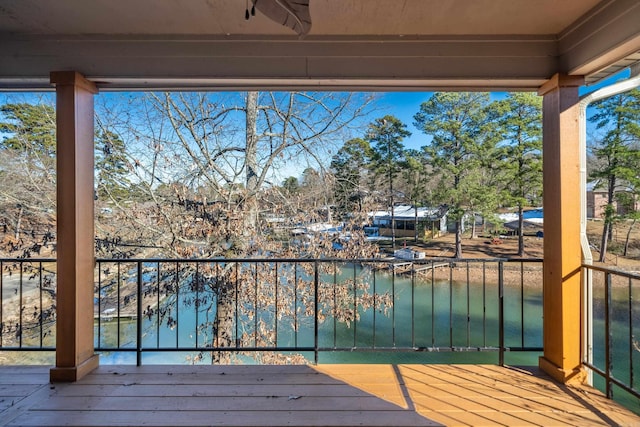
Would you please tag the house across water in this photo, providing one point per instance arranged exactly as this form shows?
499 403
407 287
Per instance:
411 221
532 221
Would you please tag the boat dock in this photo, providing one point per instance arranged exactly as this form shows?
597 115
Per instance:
411 267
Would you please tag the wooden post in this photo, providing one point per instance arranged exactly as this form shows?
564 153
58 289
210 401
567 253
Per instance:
562 254
75 228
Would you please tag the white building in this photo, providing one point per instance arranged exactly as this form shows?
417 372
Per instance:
429 222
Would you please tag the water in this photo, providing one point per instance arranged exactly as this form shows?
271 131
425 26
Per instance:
424 315
625 356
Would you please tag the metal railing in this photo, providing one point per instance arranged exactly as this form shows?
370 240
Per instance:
611 319
284 308
290 306
27 304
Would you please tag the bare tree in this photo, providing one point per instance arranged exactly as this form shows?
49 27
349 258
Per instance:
27 174
202 171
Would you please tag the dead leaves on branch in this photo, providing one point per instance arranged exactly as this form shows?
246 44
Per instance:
245 304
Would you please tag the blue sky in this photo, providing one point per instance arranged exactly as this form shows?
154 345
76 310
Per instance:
404 105
624 74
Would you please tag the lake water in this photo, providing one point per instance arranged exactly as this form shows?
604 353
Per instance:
424 315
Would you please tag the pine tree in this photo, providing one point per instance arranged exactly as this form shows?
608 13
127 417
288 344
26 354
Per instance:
618 152
387 133
349 166
112 166
459 126
520 120
291 185
31 130
415 179
27 165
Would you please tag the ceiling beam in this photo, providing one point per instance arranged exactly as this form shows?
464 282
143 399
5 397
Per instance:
146 63
601 38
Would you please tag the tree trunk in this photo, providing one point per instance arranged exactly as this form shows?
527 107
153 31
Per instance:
458 251
520 231
473 226
393 225
607 229
251 164
415 223
19 223
605 240
626 241
223 328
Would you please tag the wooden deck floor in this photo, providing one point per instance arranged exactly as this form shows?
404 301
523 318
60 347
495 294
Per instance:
325 395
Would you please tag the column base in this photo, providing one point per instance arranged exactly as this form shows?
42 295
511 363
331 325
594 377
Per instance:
576 375
73 373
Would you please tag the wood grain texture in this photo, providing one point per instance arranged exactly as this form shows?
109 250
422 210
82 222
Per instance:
324 395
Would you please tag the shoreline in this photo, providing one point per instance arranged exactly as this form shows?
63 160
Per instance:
513 275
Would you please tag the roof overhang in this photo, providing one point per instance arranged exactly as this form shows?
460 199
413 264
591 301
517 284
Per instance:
353 45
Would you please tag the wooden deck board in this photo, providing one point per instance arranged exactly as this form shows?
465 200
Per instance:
324 395
159 379
217 403
18 389
210 390
212 418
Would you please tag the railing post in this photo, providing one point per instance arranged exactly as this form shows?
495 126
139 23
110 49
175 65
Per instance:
393 304
99 266
158 305
275 319
607 331
631 337
20 305
316 281
295 304
139 315
501 312
1 299
521 304
40 292
587 320
355 309
375 307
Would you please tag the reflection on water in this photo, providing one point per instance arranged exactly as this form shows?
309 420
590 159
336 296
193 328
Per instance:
424 315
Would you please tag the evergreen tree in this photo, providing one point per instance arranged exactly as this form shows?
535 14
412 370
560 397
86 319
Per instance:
31 131
349 166
458 125
481 188
27 165
387 133
291 185
416 180
112 166
618 152
520 120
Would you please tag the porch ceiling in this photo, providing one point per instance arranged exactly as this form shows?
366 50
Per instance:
359 44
